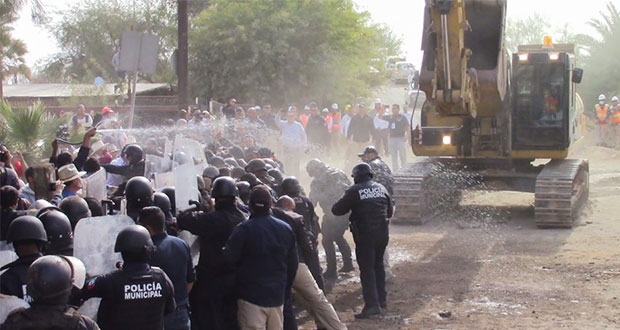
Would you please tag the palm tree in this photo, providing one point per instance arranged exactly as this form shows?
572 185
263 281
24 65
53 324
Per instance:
29 129
607 24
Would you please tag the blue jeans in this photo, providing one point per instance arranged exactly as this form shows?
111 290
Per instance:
177 320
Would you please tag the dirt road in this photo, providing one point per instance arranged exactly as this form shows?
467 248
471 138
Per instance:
486 266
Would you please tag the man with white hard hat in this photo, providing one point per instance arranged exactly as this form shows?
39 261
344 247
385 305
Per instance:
601 109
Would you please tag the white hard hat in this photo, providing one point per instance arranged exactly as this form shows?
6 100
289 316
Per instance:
378 101
335 106
614 99
602 97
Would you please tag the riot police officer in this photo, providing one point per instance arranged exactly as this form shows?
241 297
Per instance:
135 156
259 168
212 300
75 208
381 171
28 237
138 296
370 206
162 201
58 229
139 195
327 186
291 187
50 280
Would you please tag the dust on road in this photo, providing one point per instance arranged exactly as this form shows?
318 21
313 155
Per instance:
496 270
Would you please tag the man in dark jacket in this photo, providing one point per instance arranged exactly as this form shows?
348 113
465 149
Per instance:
212 299
359 133
370 206
264 254
316 128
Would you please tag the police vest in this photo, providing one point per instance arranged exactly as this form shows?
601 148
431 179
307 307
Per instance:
615 114
601 112
137 300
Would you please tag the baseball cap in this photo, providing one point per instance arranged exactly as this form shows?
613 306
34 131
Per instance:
368 150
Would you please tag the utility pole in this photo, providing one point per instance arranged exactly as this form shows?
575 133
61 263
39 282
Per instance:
182 54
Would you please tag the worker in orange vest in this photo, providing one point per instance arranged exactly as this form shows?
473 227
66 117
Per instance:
614 113
602 119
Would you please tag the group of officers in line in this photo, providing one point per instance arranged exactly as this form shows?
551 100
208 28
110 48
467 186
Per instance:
258 245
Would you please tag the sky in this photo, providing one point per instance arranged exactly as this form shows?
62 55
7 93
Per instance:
404 17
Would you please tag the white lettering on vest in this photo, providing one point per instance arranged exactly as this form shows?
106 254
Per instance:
143 291
370 193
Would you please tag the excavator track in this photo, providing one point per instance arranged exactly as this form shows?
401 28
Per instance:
562 189
411 203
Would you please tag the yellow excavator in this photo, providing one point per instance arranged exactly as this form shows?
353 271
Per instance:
489 117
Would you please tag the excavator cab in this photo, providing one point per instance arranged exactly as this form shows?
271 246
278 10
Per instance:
543 98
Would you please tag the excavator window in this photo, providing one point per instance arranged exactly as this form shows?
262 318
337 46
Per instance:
540 105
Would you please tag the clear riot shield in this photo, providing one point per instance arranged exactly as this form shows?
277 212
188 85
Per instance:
9 304
95 185
7 255
94 240
93 243
190 149
153 165
162 180
193 242
185 185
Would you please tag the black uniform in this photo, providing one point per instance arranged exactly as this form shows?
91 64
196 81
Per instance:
212 300
127 171
48 317
304 206
13 281
136 297
370 206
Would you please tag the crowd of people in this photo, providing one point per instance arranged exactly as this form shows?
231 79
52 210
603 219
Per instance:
256 226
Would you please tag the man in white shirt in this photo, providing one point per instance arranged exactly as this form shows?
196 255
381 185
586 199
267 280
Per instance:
382 133
293 142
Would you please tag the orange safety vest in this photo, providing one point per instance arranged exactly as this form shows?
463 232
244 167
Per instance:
551 104
601 113
615 114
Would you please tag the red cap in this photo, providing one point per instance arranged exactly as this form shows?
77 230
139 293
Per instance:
107 110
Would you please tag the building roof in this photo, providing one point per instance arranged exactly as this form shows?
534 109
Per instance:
69 90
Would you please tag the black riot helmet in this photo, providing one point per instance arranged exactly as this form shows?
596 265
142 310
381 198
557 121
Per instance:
134 243
362 172
26 228
139 193
134 153
169 191
315 167
244 191
58 229
50 280
224 186
290 186
256 165
162 201
75 208
276 175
